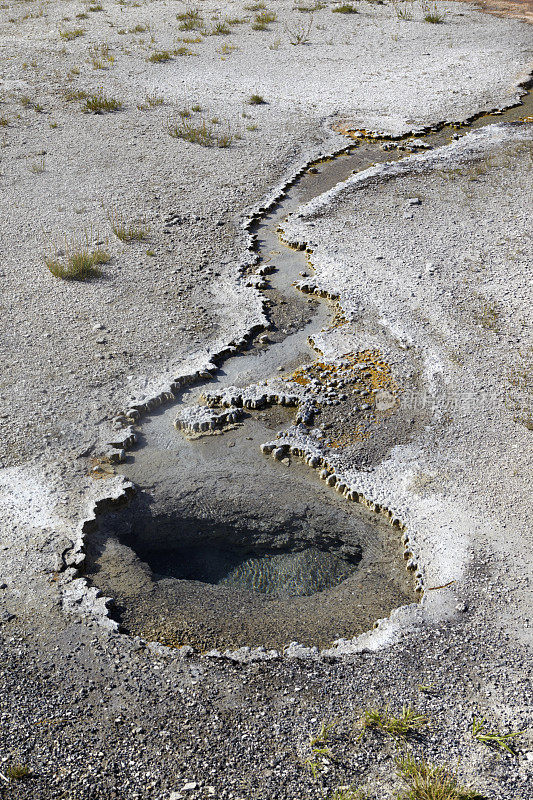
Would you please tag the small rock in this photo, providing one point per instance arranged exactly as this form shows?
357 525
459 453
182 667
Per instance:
189 786
461 607
414 201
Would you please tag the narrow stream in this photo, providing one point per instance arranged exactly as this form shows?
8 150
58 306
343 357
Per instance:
222 546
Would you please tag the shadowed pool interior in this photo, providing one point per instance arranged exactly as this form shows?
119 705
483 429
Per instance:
274 572
228 548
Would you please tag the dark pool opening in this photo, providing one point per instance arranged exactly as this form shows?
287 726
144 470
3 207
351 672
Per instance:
274 572
251 568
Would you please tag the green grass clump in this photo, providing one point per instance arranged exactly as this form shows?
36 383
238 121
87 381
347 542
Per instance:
403 14
201 134
345 8
80 265
101 56
256 100
220 29
263 20
299 32
190 20
255 6
191 13
127 231
17 772
160 56
190 25
224 140
404 725
494 739
349 793
151 101
321 754
138 29
76 94
434 18
424 781
27 102
70 35
432 14
319 759
4 122
266 17
99 103
323 733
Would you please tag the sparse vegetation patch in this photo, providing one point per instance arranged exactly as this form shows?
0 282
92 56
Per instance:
125 230
17 772
99 103
500 741
407 723
345 8
160 56
198 133
432 14
424 781
70 35
80 262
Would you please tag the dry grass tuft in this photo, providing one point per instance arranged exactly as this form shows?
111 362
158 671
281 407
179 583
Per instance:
99 103
70 35
17 772
79 261
159 57
345 8
127 231
201 133
424 781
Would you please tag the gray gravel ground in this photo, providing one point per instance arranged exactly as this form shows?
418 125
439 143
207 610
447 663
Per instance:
94 714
